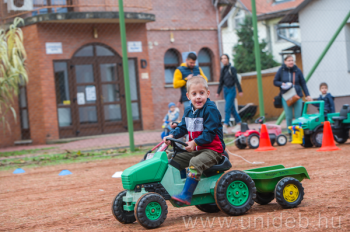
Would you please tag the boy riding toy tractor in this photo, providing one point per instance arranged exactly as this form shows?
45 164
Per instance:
151 182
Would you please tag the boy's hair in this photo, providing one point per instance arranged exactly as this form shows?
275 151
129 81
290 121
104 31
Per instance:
192 56
323 84
197 80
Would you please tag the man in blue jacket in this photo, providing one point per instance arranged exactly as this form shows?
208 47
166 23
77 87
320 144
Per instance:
202 122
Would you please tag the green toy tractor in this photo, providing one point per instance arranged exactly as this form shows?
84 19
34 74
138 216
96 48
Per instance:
312 125
154 180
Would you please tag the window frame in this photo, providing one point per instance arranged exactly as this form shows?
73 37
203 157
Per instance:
168 66
210 64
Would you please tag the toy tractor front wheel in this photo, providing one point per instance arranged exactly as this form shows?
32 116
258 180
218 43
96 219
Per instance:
264 198
235 193
253 141
307 142
208 208
151 210
316 138
118 211
289 192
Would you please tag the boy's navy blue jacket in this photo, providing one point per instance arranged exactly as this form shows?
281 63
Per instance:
285 74
203 126
328 102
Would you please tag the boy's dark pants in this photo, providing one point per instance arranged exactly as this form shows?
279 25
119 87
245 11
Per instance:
198 160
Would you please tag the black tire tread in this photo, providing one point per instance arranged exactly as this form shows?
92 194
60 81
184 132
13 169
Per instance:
264 198
220 193
279 192
240 145
142 203
313 138
307 142
119 213
208 208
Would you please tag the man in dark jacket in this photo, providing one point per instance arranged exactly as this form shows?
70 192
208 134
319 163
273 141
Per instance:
229 81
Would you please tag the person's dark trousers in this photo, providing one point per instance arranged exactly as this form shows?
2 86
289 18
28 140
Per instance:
230 95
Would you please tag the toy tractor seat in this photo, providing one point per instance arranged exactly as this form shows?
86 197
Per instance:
244 127
343 113
222 166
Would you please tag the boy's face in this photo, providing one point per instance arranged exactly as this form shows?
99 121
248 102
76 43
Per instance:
198 95
323 89
172 108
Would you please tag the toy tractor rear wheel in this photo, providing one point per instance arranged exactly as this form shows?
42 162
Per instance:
289 192
118 211
253 141
264 198
240 145
307 142
151 210
281 140
316 137
340 140
235 193
208 208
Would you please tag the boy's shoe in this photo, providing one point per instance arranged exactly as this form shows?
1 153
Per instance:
186 195
236 128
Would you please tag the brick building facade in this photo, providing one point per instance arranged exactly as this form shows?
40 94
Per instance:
69 93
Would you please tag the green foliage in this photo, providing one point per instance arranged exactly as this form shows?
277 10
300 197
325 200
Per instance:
243 52
12 69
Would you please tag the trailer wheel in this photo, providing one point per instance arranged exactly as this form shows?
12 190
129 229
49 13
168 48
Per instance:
240 145
289 192
208 208
281 140
316 137
253 141
118 211
264 198
151 210
235 193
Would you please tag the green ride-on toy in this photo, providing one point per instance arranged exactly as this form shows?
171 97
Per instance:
311 124
156 179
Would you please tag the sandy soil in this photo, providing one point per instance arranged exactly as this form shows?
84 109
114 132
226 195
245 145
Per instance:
40 200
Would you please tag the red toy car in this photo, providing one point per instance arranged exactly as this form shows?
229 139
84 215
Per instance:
252 137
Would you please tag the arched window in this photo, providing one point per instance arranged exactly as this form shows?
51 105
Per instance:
171 62
204 62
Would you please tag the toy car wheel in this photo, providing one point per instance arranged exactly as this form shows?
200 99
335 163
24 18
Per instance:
281 140
340 140
208 208
240 145
253 141
118 211
307 142
235 193
264 198
316 138
151 210
289 192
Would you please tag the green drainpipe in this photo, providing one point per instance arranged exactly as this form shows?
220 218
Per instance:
279 120
126 76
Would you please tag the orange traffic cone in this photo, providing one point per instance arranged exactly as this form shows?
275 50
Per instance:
265 143
328 143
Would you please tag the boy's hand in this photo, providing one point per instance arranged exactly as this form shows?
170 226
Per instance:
191 146
168 142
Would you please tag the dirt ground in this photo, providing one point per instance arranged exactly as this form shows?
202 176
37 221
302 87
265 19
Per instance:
40 200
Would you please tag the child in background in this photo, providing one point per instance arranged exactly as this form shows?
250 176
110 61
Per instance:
171 116
327 98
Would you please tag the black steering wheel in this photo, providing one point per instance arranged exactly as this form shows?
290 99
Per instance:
260 120
175 146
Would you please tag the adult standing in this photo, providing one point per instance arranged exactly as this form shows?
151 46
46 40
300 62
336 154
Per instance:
228 82
284 77
185 72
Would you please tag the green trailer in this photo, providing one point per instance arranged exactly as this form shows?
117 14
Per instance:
148 184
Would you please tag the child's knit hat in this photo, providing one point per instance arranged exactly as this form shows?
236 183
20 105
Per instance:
171 104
